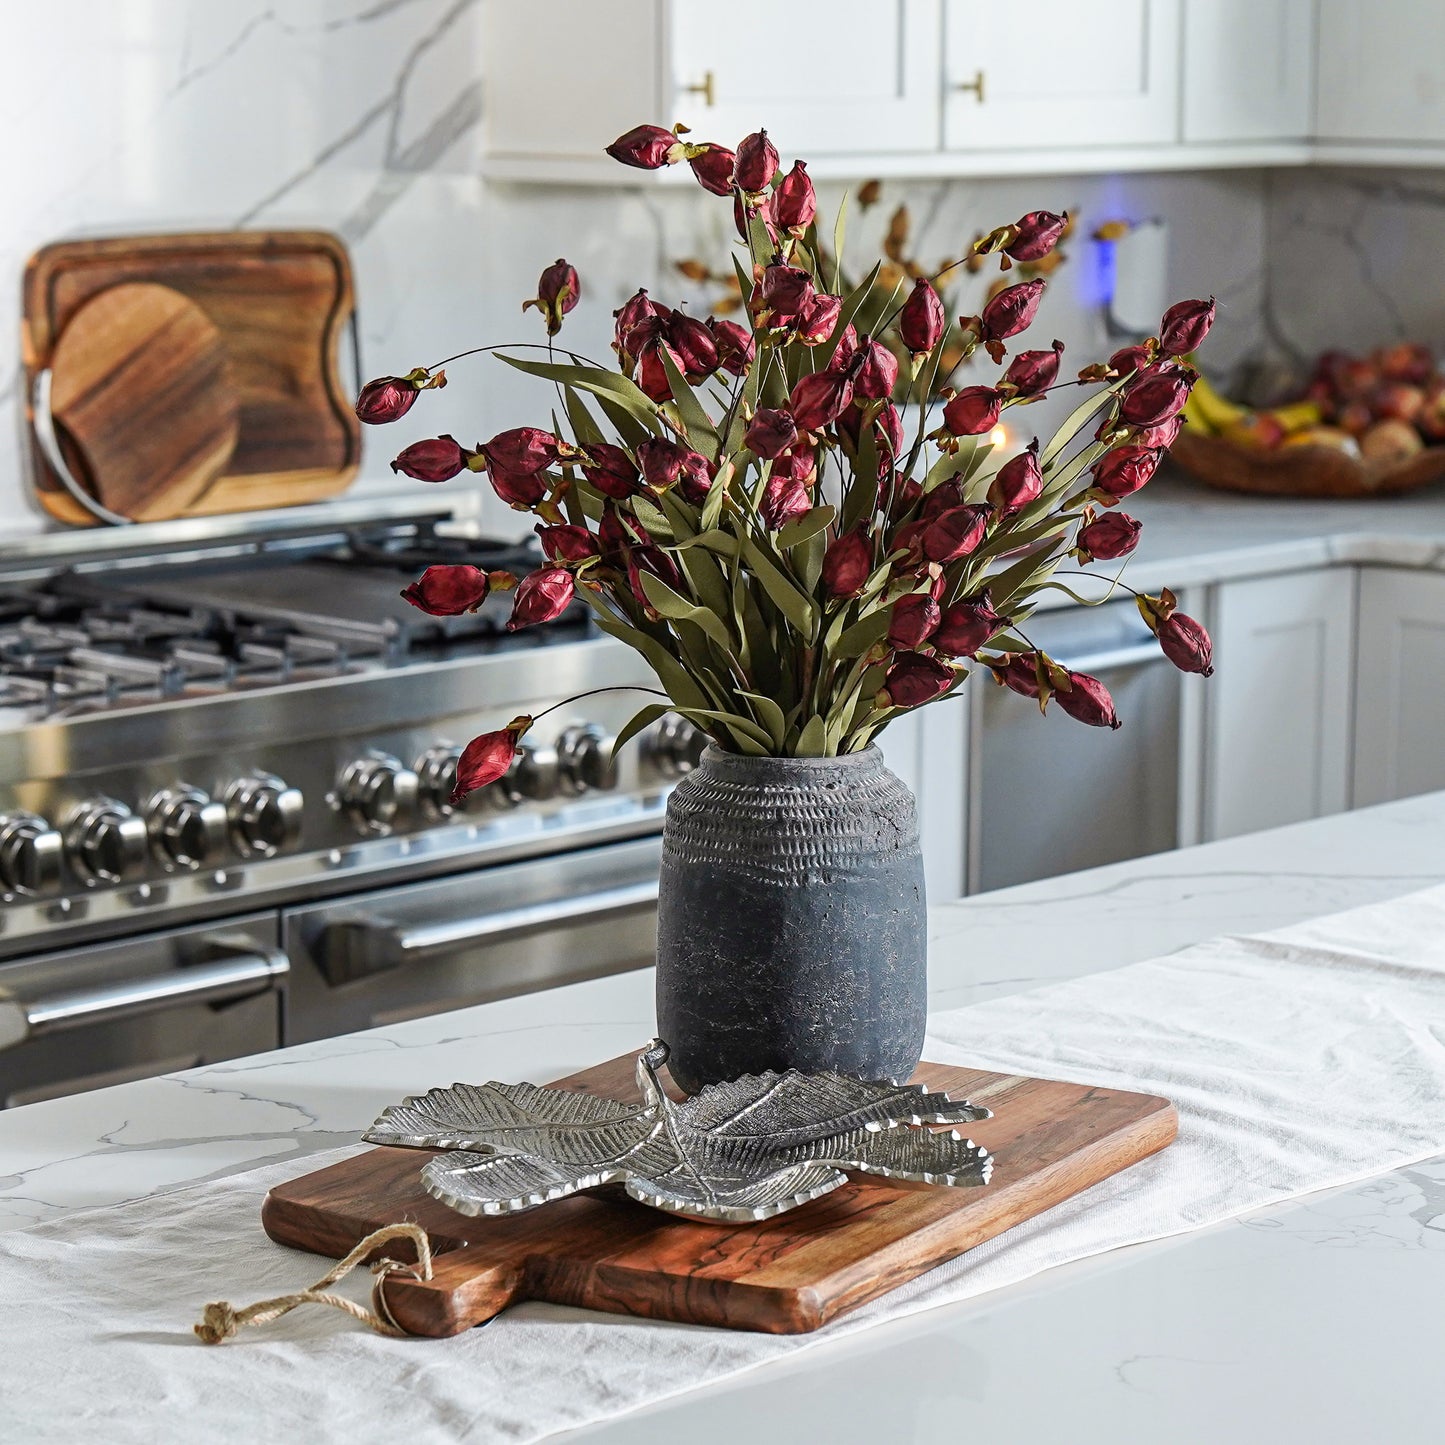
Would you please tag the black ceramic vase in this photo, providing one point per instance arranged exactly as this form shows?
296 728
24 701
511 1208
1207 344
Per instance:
791 924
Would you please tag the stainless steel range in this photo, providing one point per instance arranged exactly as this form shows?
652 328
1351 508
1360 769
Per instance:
224 824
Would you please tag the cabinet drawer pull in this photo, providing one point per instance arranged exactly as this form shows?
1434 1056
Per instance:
974 87
705 88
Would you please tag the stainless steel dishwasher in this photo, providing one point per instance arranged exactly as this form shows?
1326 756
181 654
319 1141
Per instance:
1049 795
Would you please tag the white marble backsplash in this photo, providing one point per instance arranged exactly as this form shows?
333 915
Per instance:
366 117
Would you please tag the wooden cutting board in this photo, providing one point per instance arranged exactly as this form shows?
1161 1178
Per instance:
785 1275
142 387
281 302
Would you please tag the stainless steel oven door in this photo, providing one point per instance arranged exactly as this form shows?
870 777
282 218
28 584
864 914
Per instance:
111 1012
514 928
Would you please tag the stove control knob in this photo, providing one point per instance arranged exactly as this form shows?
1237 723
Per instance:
187 828
676 746
29 854
436 771
105 842
264 814
378 793
535 774
586 760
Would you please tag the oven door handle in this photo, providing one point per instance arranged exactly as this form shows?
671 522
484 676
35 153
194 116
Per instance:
236 968
357 947
1107 659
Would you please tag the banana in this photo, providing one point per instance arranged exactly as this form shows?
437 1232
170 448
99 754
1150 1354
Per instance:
1212 410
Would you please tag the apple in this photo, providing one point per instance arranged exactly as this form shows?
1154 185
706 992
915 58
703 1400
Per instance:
1391 440
1397 399
1259 430
1431 419
1355 417
1408 361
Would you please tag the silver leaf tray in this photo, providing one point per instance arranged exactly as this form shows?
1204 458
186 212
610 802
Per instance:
734 1152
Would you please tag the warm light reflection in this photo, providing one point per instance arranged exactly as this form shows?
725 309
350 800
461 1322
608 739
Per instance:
999 436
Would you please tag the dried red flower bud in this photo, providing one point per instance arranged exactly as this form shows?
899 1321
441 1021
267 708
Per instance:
736 345
487 758
795 204
1155 395
914 679
629 316
897 494
1161 436
1018 482
661 461
520 492
1031 372
847 563
713 168
846 349
1185 325
693 344
819 398
1130 358
567 542
945 497
695 479
1020 673
1038 234
757 162
921 322
1011 311
648 147
385 399
543 596
557 293
786 495
888 428
450 591
771 432
521 451
652 374
647 558
973 411
1106 538
967 626
1186 644
1124 470
438 459
912 621
818 318
878 374
1087 700
786 289
954 533
610 470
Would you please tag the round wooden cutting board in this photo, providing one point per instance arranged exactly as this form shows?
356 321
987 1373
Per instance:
141 385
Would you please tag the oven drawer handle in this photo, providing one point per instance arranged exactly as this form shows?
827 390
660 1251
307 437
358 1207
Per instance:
448 937
1133 654
238 969
358 947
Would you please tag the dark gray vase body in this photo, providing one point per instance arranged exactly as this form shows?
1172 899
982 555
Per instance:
791 921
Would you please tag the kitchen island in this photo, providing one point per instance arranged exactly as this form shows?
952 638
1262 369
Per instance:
1315 1320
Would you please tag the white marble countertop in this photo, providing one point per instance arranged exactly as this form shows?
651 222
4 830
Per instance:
1306 1321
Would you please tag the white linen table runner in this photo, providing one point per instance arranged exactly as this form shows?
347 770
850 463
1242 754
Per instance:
1304 1058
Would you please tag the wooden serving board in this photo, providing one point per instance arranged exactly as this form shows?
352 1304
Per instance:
785 1275
281 302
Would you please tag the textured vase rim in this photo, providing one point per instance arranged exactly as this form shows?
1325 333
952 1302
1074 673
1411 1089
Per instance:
744 761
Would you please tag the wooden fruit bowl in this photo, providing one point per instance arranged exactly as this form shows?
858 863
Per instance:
1302 471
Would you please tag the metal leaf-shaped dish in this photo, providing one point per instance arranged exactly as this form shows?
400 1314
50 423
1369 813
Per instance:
734 1152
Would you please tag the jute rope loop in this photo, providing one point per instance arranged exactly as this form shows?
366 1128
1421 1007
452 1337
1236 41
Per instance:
220 1320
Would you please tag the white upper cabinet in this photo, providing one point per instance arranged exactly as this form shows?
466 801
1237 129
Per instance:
1382 72
1247 70
824 76
1058 74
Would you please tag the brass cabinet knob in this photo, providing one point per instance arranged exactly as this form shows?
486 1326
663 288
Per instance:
974 87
